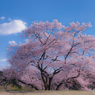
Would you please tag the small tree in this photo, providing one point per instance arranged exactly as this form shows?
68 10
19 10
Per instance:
53 55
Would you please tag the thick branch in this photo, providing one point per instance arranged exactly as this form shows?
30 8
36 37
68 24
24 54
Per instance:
29 84
70 51
58 86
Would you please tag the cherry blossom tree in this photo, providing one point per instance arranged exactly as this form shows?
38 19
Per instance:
53 57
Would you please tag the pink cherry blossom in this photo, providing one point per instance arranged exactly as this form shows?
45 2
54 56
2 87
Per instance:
53 56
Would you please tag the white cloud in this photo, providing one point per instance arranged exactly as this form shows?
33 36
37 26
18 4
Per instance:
13 27
26 40
12 42
9 19
3 60
2 18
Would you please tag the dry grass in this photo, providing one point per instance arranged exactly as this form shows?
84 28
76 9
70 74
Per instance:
47 93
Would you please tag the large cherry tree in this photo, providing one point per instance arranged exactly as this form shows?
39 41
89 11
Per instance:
53 57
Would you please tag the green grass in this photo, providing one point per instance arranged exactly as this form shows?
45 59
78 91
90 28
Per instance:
26 91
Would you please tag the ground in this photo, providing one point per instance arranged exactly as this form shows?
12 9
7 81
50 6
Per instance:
47 93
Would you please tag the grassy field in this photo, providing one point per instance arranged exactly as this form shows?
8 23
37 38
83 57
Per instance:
46 93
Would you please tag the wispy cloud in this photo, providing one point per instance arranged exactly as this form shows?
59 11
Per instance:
9 19
13 27
26 40
2 18
3 60
12 42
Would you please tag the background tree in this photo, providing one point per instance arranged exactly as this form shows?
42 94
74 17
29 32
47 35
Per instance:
53 56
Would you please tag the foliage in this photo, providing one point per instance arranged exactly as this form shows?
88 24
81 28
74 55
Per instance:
52 57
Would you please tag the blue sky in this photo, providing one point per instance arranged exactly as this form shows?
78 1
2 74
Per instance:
17 15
